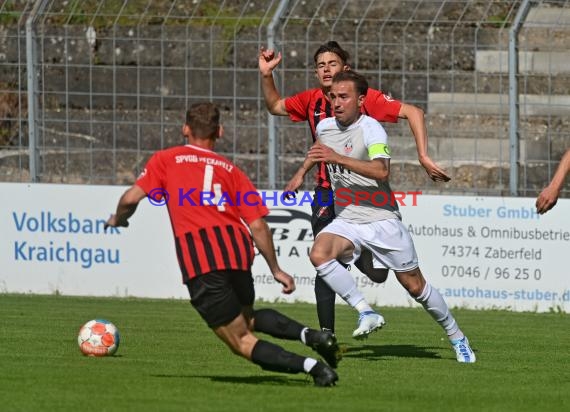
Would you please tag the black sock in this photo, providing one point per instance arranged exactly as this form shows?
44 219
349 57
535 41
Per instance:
325 298
311 337
277 325
276 359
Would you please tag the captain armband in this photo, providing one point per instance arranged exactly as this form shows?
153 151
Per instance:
378 150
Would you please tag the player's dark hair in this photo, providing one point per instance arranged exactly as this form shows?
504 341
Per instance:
360 82
332 47
204 120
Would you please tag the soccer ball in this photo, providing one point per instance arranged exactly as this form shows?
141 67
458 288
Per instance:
98 337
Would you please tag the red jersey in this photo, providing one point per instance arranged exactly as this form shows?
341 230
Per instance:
312 106
208 200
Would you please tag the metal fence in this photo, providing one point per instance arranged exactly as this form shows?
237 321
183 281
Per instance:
88 90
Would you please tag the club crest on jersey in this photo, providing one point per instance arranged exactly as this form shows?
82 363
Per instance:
323 212
348 148
388 98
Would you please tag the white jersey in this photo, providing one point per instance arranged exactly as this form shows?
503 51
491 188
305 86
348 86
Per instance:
358 199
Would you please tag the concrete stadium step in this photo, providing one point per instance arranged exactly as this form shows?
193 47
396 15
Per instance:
461 149
468 137
452 135
535 62
543 45
494 103
546 28
548 16
473 150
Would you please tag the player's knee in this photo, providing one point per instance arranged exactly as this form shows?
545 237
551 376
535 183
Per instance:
318 256
247 312
415 290
413 281
243 345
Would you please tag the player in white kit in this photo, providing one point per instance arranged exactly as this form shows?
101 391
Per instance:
354 146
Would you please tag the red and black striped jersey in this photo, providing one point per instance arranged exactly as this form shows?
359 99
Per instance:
208 200
313 106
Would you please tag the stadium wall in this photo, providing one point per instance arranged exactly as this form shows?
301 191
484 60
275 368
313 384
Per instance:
92 89
481 252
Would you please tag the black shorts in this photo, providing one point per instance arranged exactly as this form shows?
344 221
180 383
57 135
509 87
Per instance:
322 209
220 296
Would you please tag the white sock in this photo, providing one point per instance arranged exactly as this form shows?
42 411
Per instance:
309 364
433 303
363 306
303 339
341 281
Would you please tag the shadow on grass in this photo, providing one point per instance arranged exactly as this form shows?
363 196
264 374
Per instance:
246 380
388 351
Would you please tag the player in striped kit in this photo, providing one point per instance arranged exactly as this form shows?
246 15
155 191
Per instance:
215 248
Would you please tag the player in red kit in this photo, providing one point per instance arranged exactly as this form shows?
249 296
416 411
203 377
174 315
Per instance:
215 232
314 105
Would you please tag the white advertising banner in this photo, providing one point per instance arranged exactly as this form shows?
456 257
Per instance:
493 252
52 241
480 252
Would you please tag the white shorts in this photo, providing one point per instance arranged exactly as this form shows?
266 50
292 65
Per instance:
388 240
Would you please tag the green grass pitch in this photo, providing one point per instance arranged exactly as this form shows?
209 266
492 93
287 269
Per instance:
168 360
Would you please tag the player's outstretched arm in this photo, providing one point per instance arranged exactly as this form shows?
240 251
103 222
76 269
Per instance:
264 243
549 196
126 207
268 60
416 120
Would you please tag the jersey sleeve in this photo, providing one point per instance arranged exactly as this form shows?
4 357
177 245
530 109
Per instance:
152 176
319 129
381 107
251 207
297 106
375 139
